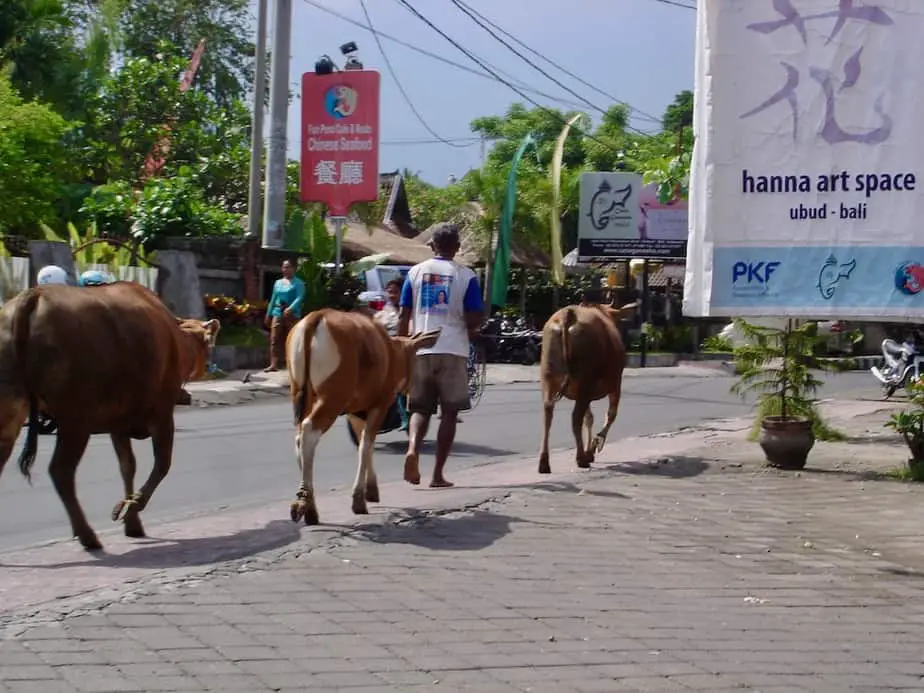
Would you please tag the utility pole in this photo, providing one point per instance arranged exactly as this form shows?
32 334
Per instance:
274 214
256 130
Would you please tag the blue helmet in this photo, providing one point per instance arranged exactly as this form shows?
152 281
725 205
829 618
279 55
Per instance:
95 278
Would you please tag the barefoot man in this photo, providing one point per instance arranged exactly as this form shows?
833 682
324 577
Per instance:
439 293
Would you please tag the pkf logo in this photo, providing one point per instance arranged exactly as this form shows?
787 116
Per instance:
340 101
753 273
909 278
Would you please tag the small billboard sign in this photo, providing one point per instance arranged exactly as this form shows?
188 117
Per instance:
340 139
621 219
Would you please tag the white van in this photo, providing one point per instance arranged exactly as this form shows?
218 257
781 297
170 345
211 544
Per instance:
375 280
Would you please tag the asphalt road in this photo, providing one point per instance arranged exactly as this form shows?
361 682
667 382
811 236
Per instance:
227 456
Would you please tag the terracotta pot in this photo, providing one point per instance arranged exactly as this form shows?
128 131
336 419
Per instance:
786 442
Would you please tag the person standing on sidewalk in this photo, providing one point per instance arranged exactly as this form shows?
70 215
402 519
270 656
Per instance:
439 293
282 312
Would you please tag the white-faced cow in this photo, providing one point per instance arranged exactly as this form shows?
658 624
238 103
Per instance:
583 358
103 359
344 363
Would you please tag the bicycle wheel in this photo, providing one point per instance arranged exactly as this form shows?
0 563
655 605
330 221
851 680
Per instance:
477 374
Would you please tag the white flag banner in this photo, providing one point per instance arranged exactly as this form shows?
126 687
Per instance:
807 180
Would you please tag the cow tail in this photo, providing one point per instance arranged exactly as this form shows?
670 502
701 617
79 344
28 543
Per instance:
21 323
301 391
569 318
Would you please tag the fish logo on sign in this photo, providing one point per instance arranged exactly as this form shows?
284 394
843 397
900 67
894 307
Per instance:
609 205
831 275
909 278
340 101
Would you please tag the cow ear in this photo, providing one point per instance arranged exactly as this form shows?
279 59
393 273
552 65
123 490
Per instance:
625 311
211 328
425 340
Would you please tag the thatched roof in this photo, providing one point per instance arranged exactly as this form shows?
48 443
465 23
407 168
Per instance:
359 241
474 250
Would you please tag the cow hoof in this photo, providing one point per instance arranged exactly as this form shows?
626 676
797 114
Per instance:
121 507
90 542
133 526
544 467
597 445
372 494
301 509
359 504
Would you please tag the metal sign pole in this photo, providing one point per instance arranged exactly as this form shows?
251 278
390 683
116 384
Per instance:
338 242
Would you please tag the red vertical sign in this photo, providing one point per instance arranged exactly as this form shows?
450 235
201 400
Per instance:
340 139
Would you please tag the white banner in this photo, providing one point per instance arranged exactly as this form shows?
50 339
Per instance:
806 183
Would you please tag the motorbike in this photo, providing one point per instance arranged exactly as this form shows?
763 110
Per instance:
901 364
391 423
511 341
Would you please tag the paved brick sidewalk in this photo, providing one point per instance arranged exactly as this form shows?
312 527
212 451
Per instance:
692 573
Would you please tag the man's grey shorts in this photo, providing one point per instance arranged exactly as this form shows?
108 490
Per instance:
439 379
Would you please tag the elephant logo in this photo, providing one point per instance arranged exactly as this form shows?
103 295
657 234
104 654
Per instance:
608 205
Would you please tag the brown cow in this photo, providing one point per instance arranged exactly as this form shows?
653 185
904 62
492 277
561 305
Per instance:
102 359
344 363
583 358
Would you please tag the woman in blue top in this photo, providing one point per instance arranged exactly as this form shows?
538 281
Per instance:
283 311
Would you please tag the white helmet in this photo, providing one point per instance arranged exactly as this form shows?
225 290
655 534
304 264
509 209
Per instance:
51 274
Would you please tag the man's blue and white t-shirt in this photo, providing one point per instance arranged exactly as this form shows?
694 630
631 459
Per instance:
439 292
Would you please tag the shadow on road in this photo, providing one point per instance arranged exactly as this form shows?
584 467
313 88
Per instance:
674 466
177 553
472 531
459 448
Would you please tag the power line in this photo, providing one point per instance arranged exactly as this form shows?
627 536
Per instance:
394 76
461 6
470 141
675 3
573 76
435 56
475 59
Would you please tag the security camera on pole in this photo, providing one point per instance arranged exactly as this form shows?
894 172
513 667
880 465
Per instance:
340 137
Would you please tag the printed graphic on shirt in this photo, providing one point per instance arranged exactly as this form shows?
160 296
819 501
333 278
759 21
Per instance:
434 293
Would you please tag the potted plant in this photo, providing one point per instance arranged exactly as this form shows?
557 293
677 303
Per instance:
780 366
910 424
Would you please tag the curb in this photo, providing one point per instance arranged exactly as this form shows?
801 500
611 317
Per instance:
231 392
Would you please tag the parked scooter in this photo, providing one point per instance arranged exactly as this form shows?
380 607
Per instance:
509 341
901 364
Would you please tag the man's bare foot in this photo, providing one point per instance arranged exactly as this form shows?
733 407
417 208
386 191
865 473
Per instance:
411 468
441 483
270 369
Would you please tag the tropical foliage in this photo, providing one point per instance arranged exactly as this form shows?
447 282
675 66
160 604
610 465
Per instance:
90 90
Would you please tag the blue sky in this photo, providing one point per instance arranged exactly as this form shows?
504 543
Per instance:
640 51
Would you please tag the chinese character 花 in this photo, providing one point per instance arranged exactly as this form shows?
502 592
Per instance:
831 130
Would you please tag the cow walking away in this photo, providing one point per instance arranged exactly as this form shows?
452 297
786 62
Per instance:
344 363
103 359
583 358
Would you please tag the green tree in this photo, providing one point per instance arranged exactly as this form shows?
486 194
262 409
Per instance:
37 41
127 118
34 162
679 114
226 70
